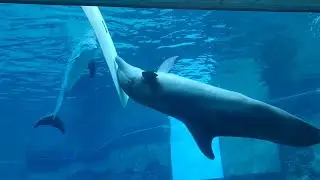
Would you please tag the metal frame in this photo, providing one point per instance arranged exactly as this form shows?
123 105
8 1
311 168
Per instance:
234 5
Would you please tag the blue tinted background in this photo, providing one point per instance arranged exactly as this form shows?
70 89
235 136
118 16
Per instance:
36 42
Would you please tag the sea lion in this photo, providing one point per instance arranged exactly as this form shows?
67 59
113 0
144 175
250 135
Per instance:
209 111
82 58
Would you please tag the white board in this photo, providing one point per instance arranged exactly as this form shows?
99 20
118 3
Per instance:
108 49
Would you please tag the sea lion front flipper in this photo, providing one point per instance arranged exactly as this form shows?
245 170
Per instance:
203 138
92 68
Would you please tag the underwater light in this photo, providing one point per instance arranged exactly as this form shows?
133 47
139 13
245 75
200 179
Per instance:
296 95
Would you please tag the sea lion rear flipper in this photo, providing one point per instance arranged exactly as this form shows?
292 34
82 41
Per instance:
203 138
167 65
51 120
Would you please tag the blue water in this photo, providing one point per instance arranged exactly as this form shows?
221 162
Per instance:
268 56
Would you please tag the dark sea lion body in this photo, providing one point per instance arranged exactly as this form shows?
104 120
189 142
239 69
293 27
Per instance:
209 111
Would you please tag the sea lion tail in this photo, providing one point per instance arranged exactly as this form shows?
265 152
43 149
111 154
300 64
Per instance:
318 135
51 120
314 139
305 134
